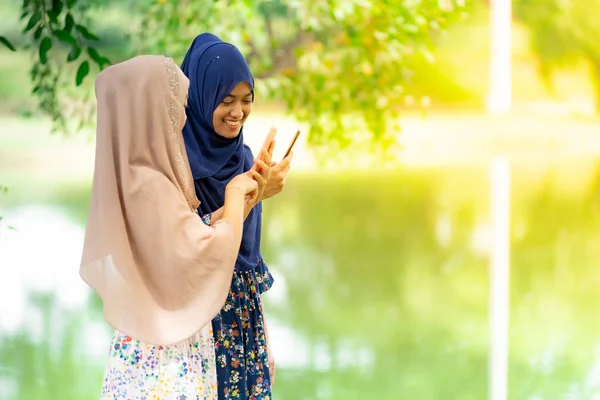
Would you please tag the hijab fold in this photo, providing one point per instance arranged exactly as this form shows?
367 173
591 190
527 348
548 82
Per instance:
161 273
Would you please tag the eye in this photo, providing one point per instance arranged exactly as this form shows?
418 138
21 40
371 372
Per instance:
248 101
228 102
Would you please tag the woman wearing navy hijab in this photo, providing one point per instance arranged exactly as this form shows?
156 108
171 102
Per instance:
220 99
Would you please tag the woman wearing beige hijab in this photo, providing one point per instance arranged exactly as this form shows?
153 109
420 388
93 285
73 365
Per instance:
161 272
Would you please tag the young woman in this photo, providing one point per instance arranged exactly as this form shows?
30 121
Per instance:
161 273
220 100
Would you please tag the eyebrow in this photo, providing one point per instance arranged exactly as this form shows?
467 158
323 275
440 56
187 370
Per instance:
246 95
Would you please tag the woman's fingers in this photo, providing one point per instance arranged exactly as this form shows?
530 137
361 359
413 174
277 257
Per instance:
271 148
262 163
265 156
263 168
258 177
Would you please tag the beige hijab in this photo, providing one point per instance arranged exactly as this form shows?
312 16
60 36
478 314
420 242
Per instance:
161 273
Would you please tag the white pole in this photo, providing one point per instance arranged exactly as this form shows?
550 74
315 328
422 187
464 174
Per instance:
499 101
499 278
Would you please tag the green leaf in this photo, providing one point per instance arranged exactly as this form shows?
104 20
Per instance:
33 21
74 53
69 22
82 72
5 42
54 12
38 32
52 16
45 46
57 6
94 55
85 33
35 71
65 36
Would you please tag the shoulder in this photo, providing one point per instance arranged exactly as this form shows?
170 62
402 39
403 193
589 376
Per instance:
248 150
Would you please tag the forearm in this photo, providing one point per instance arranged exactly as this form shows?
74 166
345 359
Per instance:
233 212
217 215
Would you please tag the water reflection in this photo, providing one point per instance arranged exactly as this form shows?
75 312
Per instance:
381 290
368 289
40 256
49 321
54 338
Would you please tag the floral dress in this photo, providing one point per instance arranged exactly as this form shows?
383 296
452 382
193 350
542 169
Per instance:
183 371
240 339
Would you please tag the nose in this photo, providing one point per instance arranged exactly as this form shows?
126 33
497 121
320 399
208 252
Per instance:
236 111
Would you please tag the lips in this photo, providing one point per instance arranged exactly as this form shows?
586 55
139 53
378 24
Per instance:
232 124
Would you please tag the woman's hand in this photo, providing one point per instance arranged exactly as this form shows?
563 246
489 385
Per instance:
261 173
238 192
271 367
266 151
245 185
271 359
277 179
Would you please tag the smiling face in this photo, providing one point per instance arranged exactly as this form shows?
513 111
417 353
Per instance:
230 115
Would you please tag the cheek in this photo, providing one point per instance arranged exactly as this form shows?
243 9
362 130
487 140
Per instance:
247 109
218 115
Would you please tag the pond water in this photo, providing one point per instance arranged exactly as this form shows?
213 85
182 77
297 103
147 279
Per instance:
381 288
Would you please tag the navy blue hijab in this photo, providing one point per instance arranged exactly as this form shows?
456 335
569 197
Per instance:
214 68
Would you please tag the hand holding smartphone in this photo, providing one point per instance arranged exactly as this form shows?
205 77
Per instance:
268 144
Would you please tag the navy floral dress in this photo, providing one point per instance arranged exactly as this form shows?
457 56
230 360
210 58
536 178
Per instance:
240 339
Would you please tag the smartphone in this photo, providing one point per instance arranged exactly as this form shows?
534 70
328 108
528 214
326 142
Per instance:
287 153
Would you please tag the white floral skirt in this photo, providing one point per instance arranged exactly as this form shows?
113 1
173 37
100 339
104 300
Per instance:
140 371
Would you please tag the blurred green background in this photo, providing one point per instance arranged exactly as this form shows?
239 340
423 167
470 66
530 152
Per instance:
382 284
